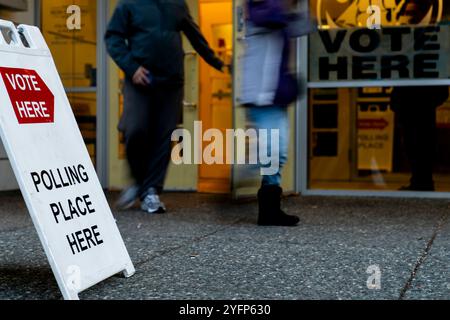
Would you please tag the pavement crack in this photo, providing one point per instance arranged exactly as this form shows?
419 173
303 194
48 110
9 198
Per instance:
184 245
442 221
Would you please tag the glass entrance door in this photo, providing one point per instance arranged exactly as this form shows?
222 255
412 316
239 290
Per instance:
76 54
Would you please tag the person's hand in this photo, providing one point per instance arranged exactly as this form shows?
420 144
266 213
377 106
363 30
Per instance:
227 68
142 77
230 68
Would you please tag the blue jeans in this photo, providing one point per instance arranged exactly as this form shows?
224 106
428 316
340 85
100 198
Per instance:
270 118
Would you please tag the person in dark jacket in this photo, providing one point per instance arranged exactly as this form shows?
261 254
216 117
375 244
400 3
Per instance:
416 109
143 38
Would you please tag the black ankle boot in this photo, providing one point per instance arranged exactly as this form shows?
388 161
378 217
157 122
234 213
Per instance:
270 213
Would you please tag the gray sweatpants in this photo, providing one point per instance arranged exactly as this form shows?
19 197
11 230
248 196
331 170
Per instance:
150 116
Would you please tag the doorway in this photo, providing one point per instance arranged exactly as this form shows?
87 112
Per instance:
216 94
208 97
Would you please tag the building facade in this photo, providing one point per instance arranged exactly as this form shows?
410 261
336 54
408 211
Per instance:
345 138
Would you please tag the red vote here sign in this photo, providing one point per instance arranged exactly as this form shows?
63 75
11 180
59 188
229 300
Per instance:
32 100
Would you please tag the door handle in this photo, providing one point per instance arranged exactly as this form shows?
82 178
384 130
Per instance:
190 54
191 105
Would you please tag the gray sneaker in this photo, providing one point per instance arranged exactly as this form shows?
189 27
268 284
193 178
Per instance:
128 198
152 204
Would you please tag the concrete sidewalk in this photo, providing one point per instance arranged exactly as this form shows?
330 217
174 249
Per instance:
210 248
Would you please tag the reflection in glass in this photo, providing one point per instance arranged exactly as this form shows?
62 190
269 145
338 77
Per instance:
74 51
332 14
377 147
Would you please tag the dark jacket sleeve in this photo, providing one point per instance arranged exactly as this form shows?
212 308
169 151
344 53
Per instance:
116 40
195 37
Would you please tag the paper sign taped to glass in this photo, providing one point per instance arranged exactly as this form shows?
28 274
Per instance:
375 138
53 168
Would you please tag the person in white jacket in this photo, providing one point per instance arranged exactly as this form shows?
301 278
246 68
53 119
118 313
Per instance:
268 88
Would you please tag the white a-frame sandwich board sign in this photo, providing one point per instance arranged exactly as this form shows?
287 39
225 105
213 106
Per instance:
53 168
